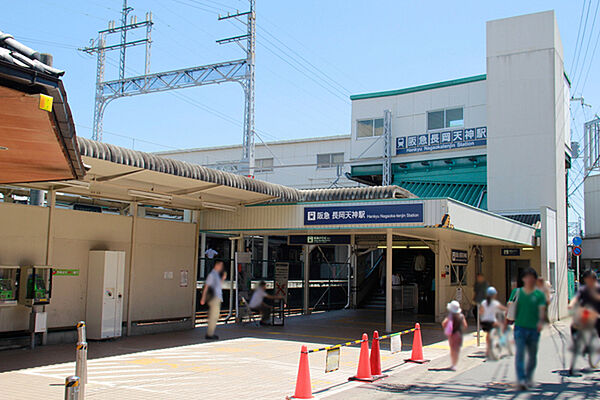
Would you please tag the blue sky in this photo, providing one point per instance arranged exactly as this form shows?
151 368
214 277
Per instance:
311 55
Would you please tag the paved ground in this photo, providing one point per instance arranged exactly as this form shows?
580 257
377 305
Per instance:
248 362
251 362
479 379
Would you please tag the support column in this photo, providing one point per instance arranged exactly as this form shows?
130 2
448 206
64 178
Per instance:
202 255
193 276
265 257
51 203
388 280
354 272
306 280
133 211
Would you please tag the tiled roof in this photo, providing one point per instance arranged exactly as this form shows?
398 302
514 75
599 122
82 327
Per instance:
17 53
153 162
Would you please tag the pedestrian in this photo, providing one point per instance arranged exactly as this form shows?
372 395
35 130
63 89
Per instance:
488 315
258 304
479 292
527 305
453 325
213 296
588 296
210 254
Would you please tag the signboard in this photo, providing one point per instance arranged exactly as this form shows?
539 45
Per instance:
332 362
395 344
367 214
319 239
577 251
282 270
577 241
447 140
65 272
183 278
460 257
511 252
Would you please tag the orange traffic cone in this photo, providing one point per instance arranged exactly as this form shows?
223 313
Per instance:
376 358
417 347
363 372
303 386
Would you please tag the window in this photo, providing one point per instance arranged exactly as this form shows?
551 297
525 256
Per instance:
458 274
449 118
369 127
263 165
330 160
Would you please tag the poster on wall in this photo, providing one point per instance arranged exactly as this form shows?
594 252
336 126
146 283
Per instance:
183 278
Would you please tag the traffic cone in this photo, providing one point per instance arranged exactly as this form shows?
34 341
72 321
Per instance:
303 386
363 372
417 347
376 358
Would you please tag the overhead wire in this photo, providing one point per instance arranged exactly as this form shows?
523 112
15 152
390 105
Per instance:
587 47
579 45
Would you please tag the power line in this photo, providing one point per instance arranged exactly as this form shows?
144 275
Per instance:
578 34
587 47
580 45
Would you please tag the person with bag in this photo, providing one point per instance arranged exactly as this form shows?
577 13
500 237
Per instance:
453 325
527 307
213 296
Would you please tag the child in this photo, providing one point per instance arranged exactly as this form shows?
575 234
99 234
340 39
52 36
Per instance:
488 314
453 326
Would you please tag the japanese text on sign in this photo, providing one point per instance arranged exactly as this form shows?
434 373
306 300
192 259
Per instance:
368 214
448 140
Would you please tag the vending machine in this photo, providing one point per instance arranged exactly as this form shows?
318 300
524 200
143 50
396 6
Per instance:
104 310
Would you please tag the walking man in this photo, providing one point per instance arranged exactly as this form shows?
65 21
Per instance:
479 292
529 304
213 296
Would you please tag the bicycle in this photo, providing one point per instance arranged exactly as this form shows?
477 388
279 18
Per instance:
502 340
585 338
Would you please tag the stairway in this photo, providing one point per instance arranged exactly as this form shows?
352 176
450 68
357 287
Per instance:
376 301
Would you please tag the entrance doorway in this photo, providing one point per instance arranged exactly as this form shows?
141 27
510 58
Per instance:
514 271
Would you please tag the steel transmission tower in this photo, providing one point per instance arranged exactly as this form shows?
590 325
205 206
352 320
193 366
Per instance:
241 71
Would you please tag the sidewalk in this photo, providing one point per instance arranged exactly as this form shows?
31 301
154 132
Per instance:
248 363
480 379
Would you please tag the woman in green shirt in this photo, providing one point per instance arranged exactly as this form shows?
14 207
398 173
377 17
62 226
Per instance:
529 320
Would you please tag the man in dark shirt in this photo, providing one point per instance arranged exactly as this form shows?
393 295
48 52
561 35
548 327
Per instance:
479 292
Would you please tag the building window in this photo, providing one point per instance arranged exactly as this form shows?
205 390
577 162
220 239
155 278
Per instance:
458 275
369 127
450 118
263 165
330 160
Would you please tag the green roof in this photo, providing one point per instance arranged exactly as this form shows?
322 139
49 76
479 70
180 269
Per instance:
472 194
420 88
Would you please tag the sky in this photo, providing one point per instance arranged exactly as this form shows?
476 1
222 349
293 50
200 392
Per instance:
311 56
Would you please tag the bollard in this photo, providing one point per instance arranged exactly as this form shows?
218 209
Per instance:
72 388
81 367
81 332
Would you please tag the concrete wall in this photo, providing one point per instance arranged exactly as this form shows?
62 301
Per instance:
295 161
527 123
160 246
409 117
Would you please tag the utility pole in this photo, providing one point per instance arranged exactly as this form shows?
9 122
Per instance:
241 71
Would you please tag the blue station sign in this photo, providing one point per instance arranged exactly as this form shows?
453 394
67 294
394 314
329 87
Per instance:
367 214
447 140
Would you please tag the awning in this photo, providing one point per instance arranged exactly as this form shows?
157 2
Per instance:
469 193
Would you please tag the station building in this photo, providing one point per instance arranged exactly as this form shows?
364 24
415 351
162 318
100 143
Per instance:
478 185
